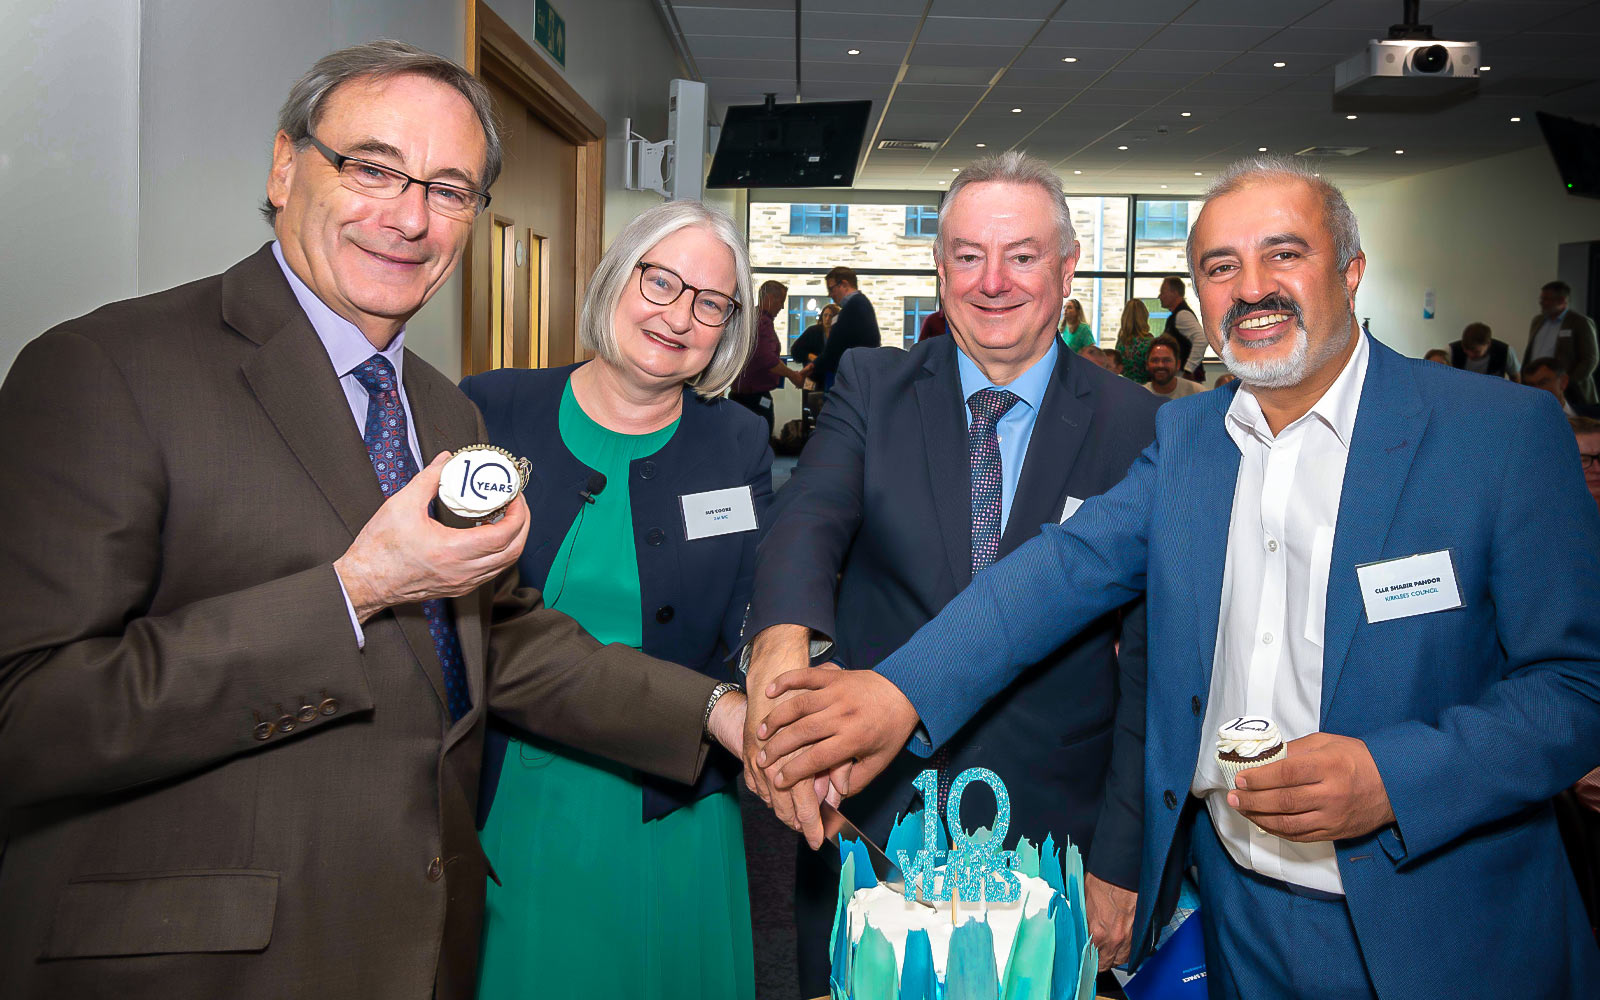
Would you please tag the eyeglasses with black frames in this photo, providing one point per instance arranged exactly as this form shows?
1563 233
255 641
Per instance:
662 286
378 181
1589 461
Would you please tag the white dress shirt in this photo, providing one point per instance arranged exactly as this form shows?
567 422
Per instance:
1268 658
1544 342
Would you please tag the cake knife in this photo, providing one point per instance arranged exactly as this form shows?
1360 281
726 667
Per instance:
834 825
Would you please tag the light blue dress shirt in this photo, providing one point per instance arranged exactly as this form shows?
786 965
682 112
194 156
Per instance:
1015 429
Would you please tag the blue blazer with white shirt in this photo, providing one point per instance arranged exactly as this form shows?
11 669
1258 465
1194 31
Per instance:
1475 717
693 594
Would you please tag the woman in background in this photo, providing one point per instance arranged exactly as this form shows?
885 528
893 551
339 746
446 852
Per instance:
1133 340
1075 333
613 884
808 346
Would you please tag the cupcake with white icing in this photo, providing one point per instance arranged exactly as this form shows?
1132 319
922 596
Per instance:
1247 742
480 481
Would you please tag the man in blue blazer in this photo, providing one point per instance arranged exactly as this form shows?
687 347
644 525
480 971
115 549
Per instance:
855 326
1421 629
887 511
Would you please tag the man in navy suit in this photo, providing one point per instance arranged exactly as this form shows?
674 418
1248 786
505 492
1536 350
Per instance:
1335 552
925 467
855 326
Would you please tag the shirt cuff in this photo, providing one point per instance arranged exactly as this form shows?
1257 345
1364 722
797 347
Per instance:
355 623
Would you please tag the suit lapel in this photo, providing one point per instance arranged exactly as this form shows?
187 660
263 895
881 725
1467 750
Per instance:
944 436
1059 431
293 380
1389 426
1211 469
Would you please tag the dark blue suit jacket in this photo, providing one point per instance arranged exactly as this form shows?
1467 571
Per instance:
855 326
882 494
1475 717
693 595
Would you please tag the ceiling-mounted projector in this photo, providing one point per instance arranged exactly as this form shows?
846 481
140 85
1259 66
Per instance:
1408 67
1410 70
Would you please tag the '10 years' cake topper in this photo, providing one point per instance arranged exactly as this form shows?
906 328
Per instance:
977 869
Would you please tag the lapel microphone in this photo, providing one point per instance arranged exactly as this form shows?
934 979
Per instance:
593 487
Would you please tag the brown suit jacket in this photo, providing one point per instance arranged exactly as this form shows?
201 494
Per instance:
1576 349
208 790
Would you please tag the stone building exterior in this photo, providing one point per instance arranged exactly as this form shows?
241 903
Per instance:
899 237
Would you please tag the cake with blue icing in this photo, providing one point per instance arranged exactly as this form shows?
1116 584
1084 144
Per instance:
986 936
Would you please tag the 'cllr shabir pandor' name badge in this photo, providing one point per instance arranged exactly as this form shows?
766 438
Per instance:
480 480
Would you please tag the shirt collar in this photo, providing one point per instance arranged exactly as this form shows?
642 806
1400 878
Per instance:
1560 318
1030 385
347 346
1336 409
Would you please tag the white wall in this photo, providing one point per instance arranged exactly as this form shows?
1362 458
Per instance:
620 60
69 162
213 77
1483 236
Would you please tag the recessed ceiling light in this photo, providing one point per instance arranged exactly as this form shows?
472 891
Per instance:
1016 111
1261 149
1077 171
1279 65
982 145
1185 114
1399 152
1163 187
852 52
1122 147
944 182
1484 69
1349 118
955 170
1197 173
1069 58
1516 119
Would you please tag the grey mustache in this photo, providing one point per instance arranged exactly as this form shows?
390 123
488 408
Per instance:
1271 303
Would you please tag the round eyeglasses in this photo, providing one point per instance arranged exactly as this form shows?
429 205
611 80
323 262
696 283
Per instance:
378 181
662 286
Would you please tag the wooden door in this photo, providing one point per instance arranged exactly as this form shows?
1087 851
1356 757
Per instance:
529 257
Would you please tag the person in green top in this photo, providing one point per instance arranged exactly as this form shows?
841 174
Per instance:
1133 340
646 493
1075 333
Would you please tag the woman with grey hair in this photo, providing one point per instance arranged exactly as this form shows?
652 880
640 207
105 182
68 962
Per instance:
646 491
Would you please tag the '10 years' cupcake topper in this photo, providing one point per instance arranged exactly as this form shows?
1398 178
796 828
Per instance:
977 869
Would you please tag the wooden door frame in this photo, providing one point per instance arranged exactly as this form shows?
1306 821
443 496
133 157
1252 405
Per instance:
496 49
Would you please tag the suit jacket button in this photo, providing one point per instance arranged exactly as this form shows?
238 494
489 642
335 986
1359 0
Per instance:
286 723
1194 703
1170 799
647 470
435 869
306 713
264 730
328 706
664 613
655 536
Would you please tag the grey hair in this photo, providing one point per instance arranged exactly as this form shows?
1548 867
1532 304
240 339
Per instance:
1336 211
1011 167
611 278
382 60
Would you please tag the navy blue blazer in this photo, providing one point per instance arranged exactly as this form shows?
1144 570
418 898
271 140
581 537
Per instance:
1475 717
882 494
693 595
855 326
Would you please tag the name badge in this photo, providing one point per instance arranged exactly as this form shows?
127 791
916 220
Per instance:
717 512
1069 508
1408 586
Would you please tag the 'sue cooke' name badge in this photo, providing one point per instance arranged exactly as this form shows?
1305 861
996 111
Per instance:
717 512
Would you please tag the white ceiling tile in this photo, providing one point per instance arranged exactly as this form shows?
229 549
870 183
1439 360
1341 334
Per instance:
1010 31
1211 37
1095 35
1248 12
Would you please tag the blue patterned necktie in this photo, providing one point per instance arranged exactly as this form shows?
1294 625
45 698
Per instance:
983 454
389 448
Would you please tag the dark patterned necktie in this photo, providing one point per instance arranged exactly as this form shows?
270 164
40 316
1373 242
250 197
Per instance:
983 453
389 449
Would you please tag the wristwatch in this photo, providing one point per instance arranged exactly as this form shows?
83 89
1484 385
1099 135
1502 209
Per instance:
716 696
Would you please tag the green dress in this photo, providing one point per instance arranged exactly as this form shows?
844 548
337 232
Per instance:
1078 337
1135 352
594 901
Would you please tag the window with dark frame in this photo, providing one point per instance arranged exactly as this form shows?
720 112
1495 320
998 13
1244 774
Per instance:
1161 220
802 317
917 309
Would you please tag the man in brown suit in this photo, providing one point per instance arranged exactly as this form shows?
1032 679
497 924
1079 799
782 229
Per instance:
1569 337
236 760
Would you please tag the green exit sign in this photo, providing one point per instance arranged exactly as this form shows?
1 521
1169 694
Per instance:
550 31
